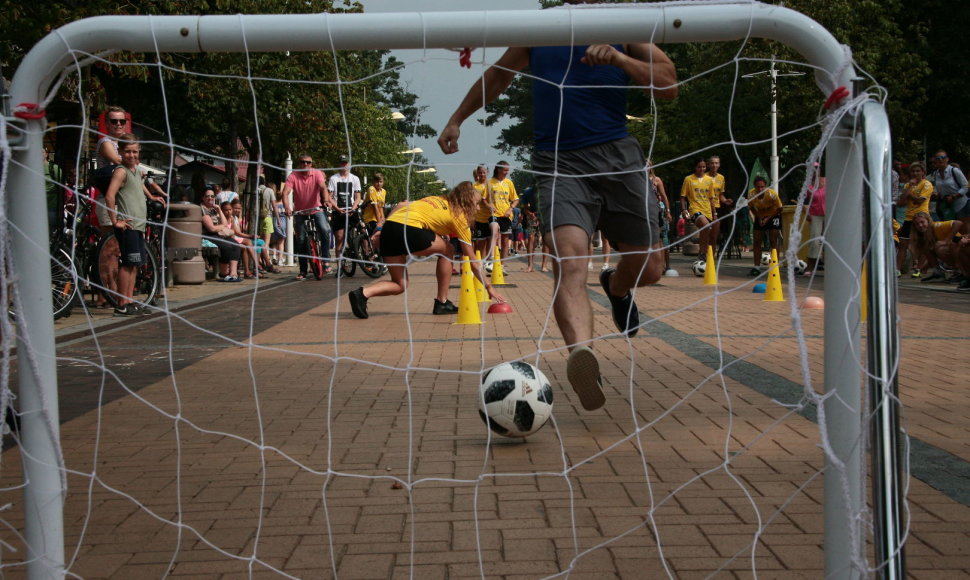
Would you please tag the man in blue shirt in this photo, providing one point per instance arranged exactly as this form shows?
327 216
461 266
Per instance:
579 106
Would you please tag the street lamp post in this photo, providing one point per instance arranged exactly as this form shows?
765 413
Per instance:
773 74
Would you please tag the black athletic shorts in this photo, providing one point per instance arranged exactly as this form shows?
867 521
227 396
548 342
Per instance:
483 230
904 229
504 225
772 224
400 240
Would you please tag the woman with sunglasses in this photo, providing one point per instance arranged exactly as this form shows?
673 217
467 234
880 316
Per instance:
218 231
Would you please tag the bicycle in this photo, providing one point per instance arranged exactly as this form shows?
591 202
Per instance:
317 265
148 277
359 250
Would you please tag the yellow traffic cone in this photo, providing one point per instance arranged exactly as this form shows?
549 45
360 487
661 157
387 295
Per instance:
468 312
480 294
710 274
498 276
773 292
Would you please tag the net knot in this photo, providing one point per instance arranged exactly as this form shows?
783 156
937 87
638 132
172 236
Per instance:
29 111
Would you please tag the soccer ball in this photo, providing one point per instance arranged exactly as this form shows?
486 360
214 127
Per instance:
516 399
765 258
699 267
800 267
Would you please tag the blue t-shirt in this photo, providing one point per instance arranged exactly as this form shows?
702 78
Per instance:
589 109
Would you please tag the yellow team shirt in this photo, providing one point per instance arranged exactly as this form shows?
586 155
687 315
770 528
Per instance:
483 212
765 204
502 195
941 231
697 190
717 189
433 213
922 189
374 196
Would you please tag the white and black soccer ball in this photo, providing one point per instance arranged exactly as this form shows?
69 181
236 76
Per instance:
765 258
516 399
699 267
800 267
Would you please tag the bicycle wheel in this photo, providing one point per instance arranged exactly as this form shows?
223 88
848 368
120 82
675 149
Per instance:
348 261
316 263
107 260
63 288
370 258
148 279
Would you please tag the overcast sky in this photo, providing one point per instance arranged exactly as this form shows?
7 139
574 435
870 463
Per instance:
440 83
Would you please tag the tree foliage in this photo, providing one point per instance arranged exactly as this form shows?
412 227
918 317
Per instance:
263 105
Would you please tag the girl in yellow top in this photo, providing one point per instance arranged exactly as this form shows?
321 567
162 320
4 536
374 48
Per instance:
695 199
504 198
915 198
717 195
422 228
935 242
374 204
765 207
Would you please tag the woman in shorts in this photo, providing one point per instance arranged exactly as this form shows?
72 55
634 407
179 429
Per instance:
421 228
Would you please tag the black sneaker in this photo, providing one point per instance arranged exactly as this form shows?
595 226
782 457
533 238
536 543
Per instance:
964 286
358 302
934 275
446 307
126 310
754 271
625 313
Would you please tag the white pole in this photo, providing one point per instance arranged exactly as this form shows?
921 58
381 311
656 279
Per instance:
287 170
840 416
40 416
774 125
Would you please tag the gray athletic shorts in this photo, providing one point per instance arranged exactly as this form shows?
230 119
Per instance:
600 187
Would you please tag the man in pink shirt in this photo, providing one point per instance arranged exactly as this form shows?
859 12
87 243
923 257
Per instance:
310 197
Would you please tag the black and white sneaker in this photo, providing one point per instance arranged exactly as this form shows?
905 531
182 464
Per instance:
358 302
126 310
964 286
934 275
446 307
625 313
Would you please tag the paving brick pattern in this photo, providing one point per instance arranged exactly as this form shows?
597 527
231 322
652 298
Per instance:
328 446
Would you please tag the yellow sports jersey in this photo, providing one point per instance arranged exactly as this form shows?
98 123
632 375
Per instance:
717 190
941 231
433 213
374 196
697 190
896 226
483 212
502 195
922 189
765 204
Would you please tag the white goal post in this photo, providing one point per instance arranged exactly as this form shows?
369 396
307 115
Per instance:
858 185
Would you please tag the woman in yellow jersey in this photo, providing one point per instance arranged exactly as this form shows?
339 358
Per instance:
718 199
915 198
765 207
695 199
935 242
422 228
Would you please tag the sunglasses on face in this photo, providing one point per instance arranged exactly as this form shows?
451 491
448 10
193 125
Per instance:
306 161
939 158
117 121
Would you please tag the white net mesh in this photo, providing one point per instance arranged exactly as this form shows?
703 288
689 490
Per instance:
263 430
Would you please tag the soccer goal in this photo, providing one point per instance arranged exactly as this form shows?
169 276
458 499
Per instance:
389 472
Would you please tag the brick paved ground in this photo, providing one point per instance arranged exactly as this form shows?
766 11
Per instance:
309 450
